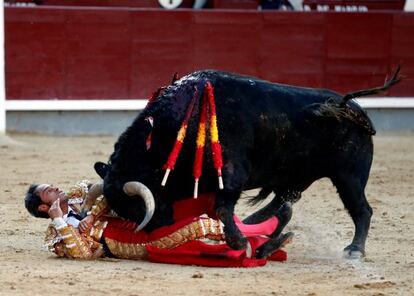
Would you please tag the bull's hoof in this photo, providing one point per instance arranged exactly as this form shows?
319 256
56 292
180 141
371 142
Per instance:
236 242
274 244
354 252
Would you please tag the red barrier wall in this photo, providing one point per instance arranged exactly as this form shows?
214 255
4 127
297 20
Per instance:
90 53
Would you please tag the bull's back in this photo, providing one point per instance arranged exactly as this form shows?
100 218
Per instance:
269 124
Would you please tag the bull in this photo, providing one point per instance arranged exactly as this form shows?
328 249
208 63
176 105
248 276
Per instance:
277 137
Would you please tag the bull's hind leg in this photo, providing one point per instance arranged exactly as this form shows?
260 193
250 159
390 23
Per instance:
351 190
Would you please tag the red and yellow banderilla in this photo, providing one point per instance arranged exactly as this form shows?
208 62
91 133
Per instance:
207 101
172 158
200 144
214 135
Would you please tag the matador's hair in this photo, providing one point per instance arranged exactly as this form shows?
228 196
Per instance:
32 202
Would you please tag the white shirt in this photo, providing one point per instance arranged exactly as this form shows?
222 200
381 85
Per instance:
71 220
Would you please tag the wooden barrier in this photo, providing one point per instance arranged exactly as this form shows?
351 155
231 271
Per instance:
120 53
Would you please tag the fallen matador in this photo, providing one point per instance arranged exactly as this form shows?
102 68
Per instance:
196 237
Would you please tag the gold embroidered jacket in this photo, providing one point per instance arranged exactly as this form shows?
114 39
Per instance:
66 240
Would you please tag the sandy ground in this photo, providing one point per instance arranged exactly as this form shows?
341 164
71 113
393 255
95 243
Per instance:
315 265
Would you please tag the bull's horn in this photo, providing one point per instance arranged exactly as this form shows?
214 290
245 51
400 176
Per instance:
96 189
137 188
94 192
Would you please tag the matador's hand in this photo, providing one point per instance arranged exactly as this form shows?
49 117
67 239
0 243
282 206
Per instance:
86 223
55 211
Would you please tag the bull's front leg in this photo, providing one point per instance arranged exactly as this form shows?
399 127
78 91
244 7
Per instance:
225 203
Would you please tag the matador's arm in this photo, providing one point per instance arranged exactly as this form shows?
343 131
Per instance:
100 208
66 241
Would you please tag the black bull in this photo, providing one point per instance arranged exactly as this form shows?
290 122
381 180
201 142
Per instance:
276 137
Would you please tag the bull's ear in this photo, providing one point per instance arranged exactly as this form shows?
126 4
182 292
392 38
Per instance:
101 169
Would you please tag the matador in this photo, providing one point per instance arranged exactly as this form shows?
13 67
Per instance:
84 227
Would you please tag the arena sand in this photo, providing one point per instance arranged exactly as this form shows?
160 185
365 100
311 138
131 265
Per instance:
315 265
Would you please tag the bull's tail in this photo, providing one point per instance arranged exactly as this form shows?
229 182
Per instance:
260 197
337 107
372 91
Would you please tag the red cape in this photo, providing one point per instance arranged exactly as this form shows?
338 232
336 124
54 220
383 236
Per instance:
193 252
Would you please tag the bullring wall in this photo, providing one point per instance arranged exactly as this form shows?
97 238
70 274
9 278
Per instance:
119 53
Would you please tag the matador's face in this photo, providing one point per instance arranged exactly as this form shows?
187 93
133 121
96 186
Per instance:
49 193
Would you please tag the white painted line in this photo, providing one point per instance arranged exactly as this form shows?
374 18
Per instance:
127 105
399 103
75 105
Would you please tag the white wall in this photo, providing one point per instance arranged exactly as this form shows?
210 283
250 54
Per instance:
409 5
2 86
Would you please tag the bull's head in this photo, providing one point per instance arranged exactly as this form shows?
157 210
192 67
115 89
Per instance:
132 188
139 157
131 177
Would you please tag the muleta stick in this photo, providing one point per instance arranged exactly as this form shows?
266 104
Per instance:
172 158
